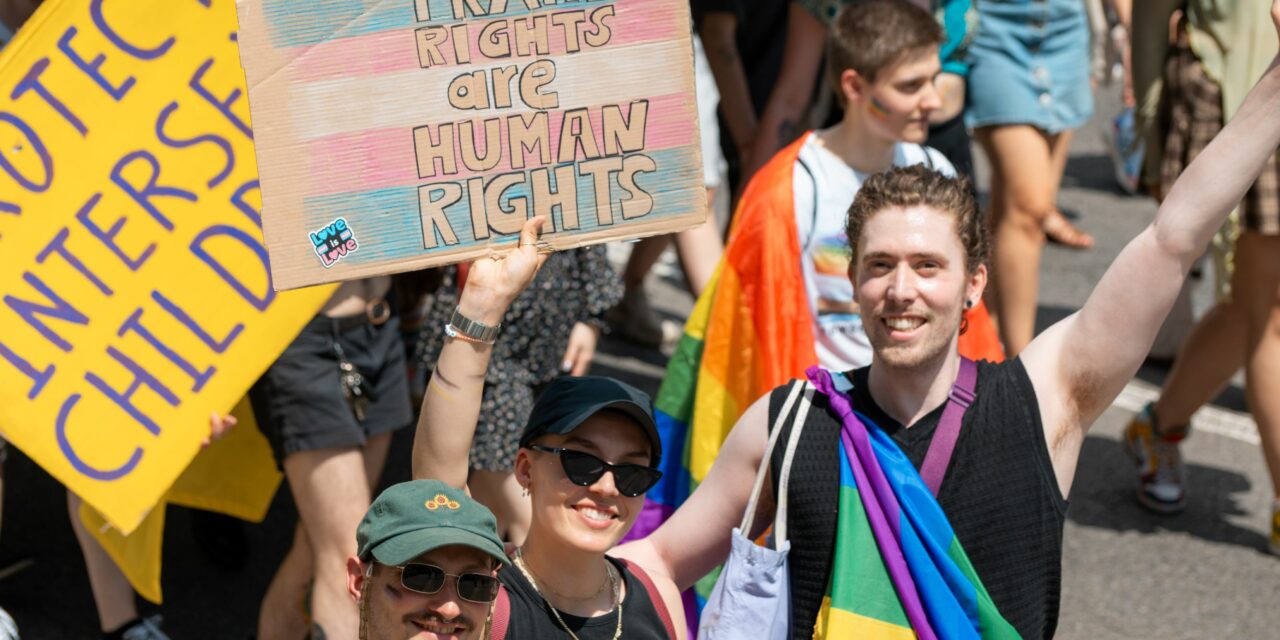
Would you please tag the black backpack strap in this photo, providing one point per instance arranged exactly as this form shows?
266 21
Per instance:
656 598
807 243
928 157
501 616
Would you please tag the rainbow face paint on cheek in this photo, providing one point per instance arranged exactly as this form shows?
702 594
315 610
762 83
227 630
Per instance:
877 109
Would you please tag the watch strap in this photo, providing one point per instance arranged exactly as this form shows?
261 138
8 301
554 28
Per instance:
466 328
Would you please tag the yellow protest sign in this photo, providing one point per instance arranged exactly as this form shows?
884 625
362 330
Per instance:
205 484
135 291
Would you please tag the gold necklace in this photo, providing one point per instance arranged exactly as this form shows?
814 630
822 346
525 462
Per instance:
533 582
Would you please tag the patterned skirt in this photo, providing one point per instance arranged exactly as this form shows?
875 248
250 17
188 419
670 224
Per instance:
1191 115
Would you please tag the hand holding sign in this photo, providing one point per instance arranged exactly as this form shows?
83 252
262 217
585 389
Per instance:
494 282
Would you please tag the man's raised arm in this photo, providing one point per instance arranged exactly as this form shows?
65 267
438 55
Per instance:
451 405
1082 363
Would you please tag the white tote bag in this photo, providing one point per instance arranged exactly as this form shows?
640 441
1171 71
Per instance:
751 598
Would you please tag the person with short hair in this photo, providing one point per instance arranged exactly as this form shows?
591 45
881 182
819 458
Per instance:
1001 498
587 456
782 300
427 558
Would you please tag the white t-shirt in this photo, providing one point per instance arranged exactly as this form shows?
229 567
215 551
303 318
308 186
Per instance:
824 250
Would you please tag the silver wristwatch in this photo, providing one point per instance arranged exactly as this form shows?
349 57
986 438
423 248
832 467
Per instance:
463 327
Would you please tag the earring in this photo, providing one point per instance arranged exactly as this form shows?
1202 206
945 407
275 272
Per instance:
968 304
524 493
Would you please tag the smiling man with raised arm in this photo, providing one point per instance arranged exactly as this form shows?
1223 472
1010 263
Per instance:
919 255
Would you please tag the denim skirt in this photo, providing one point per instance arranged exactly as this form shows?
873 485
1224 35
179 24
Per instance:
1030 65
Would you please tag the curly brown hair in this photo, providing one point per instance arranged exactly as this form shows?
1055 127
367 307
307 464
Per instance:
920 186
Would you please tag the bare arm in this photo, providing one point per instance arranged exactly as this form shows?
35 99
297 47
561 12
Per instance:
696 538
719 33
783 118
1082 363
451 405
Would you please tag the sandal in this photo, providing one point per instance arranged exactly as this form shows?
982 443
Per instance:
1059 230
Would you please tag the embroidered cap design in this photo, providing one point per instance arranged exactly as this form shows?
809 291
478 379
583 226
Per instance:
441 501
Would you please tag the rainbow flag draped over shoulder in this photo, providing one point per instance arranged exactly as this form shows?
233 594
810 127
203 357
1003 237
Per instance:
749 332
898 569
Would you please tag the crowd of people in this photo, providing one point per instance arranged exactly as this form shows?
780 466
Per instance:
927 437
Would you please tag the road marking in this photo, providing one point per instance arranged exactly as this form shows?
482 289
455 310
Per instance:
1209 419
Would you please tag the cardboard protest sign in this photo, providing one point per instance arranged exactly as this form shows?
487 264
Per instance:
400 134
135 292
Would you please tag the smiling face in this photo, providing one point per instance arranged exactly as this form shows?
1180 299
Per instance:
911 281
595 517
897 103
388 611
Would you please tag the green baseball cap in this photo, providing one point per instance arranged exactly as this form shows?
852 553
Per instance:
412 518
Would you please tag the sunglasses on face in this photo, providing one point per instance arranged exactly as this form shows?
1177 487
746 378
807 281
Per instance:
428 579
584 470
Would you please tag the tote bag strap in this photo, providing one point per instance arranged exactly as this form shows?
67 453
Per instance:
749 515
780 513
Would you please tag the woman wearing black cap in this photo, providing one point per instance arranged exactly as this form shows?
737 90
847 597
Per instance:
588 454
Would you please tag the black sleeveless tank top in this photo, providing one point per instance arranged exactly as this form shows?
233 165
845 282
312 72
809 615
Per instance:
1000 495
531 616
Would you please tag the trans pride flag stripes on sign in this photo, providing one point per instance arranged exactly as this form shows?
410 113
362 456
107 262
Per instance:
433 128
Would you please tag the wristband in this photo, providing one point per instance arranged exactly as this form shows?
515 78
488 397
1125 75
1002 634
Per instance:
460 326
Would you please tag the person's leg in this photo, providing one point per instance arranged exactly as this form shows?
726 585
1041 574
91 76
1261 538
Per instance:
700 249
331 489
1212 353
1020 154
111 590
1257 286
644 254
500 491
282 615
1056 226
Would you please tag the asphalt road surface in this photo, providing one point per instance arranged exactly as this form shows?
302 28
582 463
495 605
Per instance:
1127 573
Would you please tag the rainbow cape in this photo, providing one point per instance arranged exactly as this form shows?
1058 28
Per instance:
898 569
749 332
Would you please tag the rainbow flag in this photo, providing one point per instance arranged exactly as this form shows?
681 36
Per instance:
899 571
749 332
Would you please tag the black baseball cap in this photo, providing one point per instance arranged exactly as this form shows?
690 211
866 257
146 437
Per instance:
569 400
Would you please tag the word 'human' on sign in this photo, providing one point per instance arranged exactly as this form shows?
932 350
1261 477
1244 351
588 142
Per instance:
405 134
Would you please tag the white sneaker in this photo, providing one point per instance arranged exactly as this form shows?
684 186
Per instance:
8 628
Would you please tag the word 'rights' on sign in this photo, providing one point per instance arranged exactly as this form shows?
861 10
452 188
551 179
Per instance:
405 134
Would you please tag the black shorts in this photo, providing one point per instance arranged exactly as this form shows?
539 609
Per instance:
952 139
299 402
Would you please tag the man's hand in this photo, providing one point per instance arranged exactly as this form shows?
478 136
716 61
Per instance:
494 282
581 350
